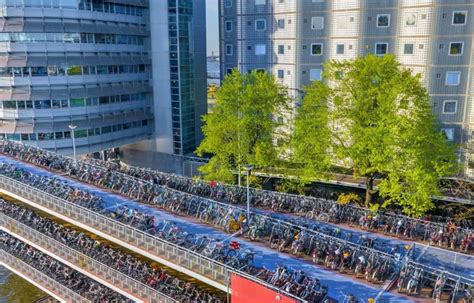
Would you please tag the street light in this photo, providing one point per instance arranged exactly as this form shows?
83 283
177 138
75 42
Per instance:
72 127
248 169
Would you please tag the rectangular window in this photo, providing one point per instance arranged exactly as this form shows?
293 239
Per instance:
260 2
381 48
228 3
453 78
281 49
459 17
260 49
316 49
229 49
315 74
260 25
317 23
39 71
408 49
281 23
383 20
449 133
228 26
77 102
340 49
58 135
450 106
456 48
281 74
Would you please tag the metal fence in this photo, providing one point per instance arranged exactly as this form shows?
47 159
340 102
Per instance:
177 257
40 278
458 266
96 269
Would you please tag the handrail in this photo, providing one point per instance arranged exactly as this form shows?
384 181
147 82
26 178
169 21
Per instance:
41 278
97 268
191 260
254 213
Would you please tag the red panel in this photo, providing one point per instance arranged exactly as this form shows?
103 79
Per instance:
246 291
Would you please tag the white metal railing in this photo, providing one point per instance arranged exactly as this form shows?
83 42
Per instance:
40 278
95 268
162 249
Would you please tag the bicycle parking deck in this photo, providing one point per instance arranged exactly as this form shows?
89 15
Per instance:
263 256
442 259
82 263
40 280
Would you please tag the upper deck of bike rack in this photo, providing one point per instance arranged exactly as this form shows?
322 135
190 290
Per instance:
169 254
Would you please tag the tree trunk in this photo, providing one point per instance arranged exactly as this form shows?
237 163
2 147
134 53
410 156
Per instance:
369 184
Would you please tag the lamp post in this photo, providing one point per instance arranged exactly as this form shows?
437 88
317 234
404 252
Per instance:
72 127
248 168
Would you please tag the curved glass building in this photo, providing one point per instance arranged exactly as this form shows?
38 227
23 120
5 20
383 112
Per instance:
82 63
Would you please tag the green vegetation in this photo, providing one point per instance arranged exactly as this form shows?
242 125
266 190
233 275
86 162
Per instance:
241 129
369 116
375 118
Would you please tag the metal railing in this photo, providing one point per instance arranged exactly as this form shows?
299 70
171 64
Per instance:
40 278
162 249
96 269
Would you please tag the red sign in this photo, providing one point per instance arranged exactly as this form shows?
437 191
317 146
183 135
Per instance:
247 291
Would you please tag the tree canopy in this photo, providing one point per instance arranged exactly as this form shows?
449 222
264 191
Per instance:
373 116
241 129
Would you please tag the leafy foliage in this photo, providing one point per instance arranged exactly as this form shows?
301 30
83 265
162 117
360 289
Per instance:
242 127
375 118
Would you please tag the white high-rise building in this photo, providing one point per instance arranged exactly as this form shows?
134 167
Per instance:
293 38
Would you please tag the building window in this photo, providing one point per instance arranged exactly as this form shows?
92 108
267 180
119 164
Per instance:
450 106
456 48
316 49
459 17
228 71
453 78
260 25
228 26
383 20
281 23
260 49
315 74
229 49
317 23
381 48
449 133
249 47
228 3
260 2
411 20
281 74
281 49
408 49
340 49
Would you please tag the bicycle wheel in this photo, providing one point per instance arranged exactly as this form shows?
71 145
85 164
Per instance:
323 217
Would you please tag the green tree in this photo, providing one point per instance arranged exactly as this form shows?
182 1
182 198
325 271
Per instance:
243 126
375 118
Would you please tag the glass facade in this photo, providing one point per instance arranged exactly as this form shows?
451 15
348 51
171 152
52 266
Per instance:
180 18
82 62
